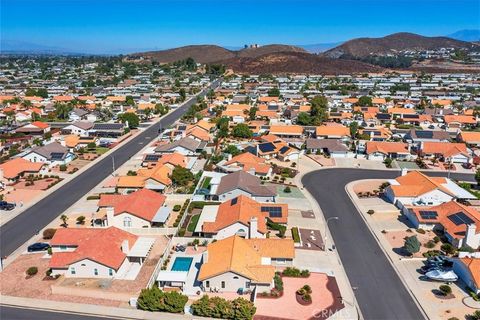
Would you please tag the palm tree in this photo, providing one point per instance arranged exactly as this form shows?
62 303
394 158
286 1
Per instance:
64 219
62 110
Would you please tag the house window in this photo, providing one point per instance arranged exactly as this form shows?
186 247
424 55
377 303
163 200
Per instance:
127 222
223 284
95 271
110 272
207 284
72 270
235 277
63 247
83 265
247 284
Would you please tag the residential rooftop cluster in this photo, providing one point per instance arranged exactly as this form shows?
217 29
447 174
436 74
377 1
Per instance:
215 204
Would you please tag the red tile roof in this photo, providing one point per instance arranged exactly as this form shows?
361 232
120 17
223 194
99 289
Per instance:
97 244
143 203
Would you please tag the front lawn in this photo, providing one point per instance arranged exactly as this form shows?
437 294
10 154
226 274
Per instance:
193 223
101 150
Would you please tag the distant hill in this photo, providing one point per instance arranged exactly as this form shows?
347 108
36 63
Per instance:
320 47
297 62
200 53
213 53
363 47
466 35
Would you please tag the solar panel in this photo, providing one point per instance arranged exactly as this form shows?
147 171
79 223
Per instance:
460 218
428 215
266 147
152 157
56 155
284 149
424 134
273 212
383 116
233 201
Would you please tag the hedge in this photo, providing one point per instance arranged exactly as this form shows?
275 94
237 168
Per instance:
295 235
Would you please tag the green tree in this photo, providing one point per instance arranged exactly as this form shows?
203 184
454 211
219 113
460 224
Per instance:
243 309
365 101
304 119
222 125
233 150
64 219
183 94
62 110
353 129
477 176
131 118
149 299
252 113
412 245
181 176
274 92
174 302
318 110
242 130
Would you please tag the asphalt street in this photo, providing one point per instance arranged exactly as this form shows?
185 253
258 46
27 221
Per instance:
9 313
379 292
21 228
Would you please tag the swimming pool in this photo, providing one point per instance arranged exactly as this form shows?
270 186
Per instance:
182 264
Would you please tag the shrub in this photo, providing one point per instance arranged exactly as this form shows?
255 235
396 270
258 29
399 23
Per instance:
475 315
431 253
181 232
177 207
430 244
295 235
48 273
294 272
217 307
421 231
307 297
81 220
446 289
436 239
278 282
32 271
287 189
63 167
307 289
412 245
49 233
448 248
154 299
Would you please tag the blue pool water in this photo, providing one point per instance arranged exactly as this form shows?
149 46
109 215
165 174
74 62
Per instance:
182 264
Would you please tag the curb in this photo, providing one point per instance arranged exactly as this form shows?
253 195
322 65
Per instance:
390 260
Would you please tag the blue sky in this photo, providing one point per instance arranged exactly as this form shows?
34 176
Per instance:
109 25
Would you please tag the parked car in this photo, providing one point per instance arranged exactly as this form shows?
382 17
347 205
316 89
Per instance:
4 205
38 246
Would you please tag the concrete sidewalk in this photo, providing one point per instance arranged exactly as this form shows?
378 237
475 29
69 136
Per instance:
88 309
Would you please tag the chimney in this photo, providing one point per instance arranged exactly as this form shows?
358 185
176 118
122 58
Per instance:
253 228
110 214
125 246
404 171
1 174
470 235
205 256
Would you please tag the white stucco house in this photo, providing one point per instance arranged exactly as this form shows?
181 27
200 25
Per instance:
98 253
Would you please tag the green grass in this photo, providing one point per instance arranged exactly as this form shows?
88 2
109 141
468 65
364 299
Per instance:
193 223
295 192
206 182
101 150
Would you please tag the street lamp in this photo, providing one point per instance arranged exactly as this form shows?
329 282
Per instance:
326 227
